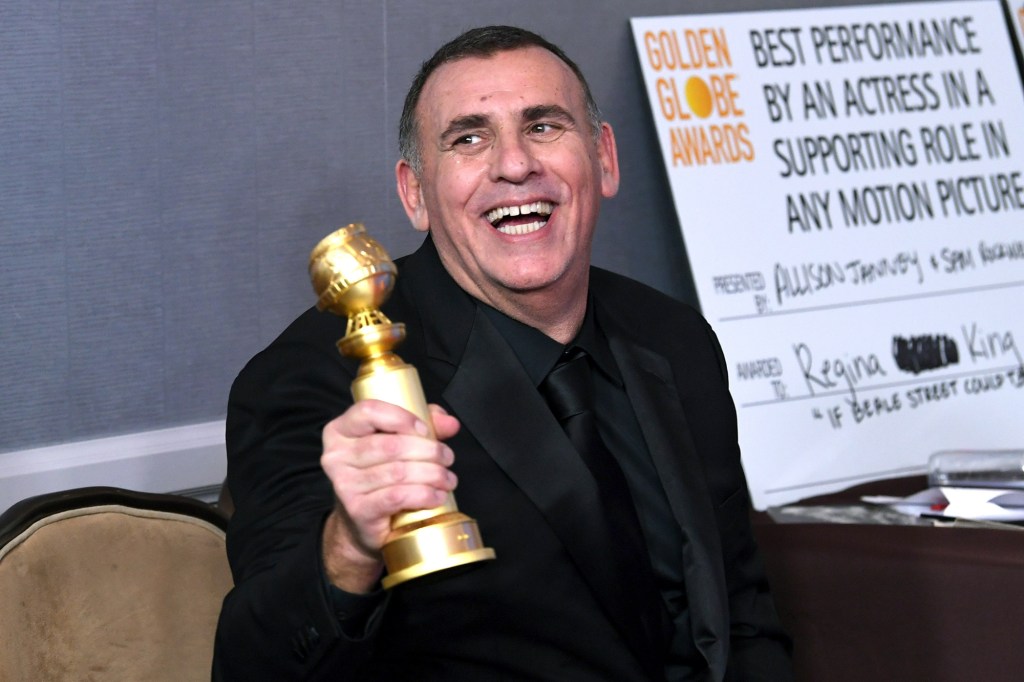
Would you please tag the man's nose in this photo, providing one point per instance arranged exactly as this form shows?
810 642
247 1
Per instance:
514 159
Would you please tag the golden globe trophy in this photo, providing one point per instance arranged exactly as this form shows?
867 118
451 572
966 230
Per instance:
353 276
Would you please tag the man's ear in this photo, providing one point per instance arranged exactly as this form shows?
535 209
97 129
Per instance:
410 191
608 157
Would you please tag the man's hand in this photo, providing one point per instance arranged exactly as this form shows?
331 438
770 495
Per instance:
381 460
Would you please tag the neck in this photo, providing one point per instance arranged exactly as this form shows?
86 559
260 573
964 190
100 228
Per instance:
558 316
561 325
557 309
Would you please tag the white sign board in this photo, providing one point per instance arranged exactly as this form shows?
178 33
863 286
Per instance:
850 186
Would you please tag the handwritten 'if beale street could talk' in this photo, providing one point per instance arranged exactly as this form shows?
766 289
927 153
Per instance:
849 189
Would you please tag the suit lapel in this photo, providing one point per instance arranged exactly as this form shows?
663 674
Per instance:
649 382
497 402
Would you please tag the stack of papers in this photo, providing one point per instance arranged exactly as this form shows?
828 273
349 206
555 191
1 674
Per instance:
981 504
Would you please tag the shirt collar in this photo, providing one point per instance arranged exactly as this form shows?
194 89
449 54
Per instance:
538 352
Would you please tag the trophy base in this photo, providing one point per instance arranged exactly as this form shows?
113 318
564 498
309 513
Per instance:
445 541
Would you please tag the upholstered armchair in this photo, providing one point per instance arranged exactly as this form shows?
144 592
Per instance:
109 584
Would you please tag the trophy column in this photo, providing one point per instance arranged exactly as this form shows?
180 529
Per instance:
353 276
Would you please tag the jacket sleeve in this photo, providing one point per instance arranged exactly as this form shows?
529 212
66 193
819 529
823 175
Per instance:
759 649
279 621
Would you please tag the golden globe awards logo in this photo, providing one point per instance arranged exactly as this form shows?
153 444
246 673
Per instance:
695 88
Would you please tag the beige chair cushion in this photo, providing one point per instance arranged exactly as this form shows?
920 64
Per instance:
111 593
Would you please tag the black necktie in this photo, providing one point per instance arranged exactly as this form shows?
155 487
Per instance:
569 391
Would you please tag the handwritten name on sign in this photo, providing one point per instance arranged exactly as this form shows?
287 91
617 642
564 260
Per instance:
992 358
849 186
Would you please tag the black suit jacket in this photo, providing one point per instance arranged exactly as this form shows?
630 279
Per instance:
547 607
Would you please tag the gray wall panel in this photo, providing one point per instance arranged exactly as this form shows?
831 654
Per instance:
207 166
33 307
110 125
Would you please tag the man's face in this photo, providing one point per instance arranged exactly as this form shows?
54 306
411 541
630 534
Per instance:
512 176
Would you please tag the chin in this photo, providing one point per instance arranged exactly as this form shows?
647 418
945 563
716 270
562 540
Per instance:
526 285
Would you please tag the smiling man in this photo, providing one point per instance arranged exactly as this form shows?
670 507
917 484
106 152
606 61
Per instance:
508 177
626 555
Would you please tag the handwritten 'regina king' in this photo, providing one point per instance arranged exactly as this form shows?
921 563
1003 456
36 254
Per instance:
986 350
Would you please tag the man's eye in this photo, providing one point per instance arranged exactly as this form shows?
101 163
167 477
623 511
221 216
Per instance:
545 132
468 143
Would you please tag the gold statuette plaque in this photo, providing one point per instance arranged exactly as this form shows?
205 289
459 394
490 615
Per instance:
353 276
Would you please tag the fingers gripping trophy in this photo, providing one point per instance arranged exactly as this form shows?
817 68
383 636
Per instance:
353 276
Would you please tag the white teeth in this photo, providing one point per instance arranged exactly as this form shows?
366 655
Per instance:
523 229
540 207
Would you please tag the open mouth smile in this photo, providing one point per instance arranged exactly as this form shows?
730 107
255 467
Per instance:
522 219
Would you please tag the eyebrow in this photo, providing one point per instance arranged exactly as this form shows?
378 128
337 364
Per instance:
542 111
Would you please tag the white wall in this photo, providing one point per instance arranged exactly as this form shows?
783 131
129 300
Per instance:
184 458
